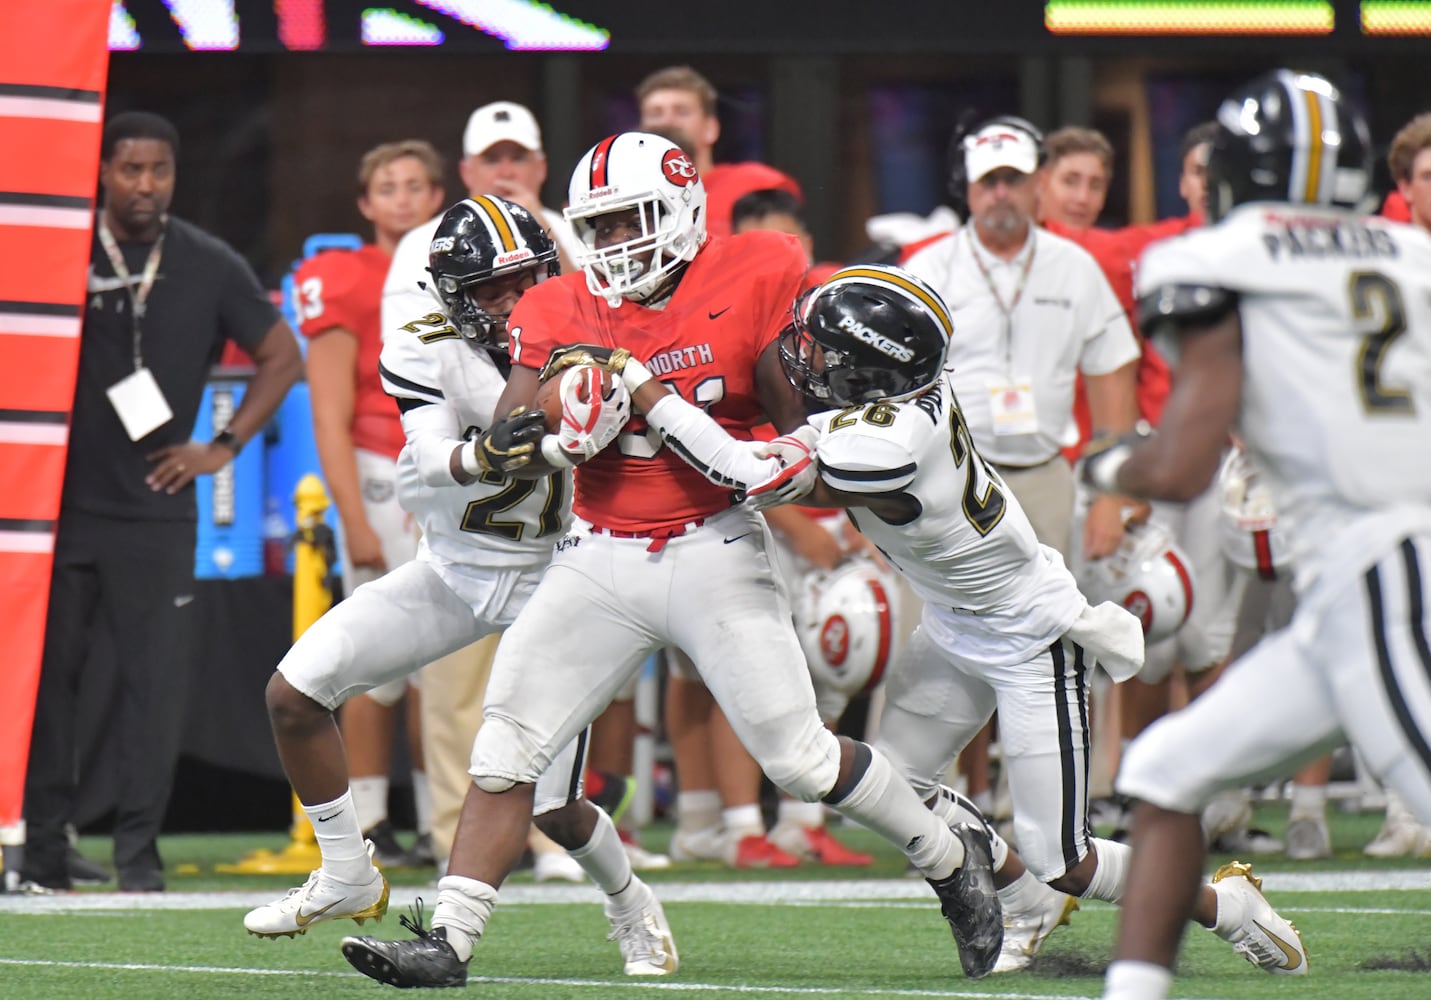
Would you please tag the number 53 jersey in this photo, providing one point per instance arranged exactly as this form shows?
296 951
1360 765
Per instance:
447 392
966 546
1336 350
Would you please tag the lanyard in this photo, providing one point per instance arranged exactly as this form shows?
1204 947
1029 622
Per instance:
1007 310
137 297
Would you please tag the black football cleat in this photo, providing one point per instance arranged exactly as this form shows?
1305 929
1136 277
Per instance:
968 901
427 961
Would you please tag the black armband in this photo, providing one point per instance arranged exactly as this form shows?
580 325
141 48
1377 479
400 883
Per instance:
1184 305
228 439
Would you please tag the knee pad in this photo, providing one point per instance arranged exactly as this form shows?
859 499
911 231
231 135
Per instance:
808 769
503 756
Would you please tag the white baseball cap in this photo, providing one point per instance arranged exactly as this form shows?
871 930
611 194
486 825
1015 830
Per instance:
999 145
501 121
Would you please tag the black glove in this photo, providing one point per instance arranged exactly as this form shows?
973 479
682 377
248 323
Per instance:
511 442
570 355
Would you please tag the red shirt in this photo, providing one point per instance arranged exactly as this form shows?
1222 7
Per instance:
727 183
343 289
1395 207
1116 252
730 306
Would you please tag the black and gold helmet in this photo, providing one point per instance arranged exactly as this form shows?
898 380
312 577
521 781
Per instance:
480 239
870 333
1288 137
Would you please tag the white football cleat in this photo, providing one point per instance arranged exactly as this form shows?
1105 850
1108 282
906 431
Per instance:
1026 931
1256 931
643 935
319 899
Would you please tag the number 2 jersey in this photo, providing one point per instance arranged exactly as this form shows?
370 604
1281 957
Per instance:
447 391
731 304
968 548
1336 350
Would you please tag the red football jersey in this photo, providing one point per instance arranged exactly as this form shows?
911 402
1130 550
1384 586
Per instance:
727 183
732 303
344 289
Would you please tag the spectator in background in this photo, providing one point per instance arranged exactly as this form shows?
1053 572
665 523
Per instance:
163 298
679 97
503 156
1031 310
778 209
359 436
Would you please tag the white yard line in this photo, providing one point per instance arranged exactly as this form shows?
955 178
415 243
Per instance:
601 984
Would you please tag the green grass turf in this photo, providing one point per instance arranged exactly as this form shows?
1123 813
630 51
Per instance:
895 948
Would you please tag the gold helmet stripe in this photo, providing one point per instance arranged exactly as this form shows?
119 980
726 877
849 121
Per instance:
501 223
893 277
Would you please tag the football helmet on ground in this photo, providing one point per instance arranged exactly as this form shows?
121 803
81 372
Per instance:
477 241
870 333
1148 575
847 620
653 176
1288 137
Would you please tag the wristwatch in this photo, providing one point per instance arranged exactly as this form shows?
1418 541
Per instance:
228 439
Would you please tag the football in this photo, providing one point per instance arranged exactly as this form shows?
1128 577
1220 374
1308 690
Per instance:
549 396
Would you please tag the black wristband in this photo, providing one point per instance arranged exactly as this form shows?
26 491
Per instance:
228 439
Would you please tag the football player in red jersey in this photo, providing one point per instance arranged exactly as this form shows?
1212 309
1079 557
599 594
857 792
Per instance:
661 555
359 436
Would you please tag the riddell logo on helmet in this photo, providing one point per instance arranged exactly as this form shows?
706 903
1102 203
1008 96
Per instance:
875 339
835 640
512 256
1140 605
678 168
600 192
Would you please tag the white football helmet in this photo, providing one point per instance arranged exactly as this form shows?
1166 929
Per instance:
1148 575
847 620
645 172
1251 538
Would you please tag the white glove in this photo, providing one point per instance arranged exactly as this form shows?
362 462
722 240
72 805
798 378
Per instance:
587 427
799 472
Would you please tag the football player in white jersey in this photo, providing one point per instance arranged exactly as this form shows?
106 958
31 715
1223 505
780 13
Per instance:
486 539
1306 327
1004 625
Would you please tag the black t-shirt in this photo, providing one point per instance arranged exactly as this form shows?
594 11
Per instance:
204 294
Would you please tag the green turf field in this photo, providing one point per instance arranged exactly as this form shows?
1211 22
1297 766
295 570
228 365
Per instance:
806 933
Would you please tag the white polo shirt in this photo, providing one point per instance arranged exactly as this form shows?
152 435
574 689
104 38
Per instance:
404 300
1014 374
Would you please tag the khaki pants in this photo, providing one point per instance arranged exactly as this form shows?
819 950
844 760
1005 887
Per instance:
452 692
1045 492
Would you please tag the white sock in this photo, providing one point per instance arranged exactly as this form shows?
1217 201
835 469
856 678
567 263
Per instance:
1137 981
1110 878
370 796
810 815
698 810
340 839
633 897
463 907
603 857
1308 802
883 802
1023 894
743 821
422 801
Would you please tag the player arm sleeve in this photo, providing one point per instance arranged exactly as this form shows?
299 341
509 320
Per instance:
869 464
706 446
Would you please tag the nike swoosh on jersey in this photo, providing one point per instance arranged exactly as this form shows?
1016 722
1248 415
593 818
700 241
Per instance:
1293 956
304 919
718 315
736 538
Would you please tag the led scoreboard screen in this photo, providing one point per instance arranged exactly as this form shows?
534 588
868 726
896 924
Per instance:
787 26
